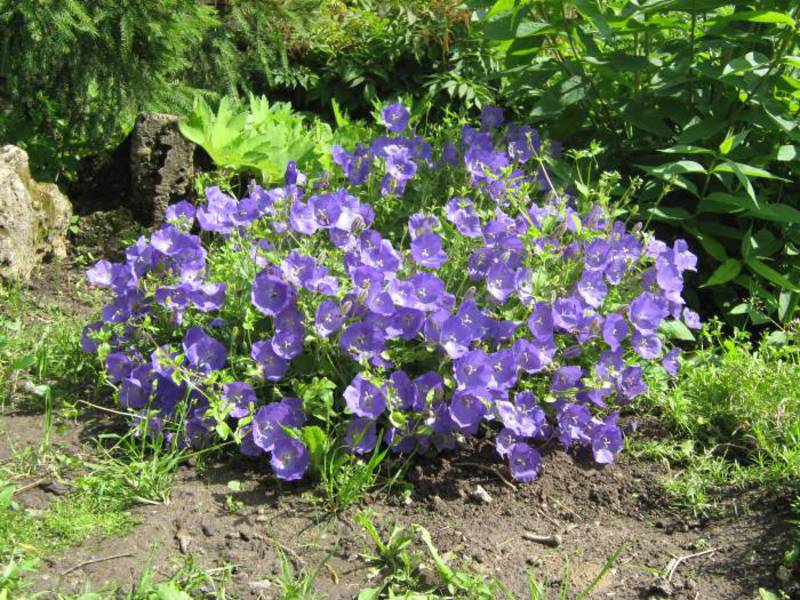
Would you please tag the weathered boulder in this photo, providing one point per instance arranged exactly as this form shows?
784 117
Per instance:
162 166
34 217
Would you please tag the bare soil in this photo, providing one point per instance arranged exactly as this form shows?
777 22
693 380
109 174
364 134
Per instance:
595 511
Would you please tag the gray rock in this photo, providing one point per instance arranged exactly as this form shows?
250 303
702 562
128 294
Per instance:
162 166
480 495
34 217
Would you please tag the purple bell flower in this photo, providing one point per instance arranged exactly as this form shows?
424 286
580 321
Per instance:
395 117
364 399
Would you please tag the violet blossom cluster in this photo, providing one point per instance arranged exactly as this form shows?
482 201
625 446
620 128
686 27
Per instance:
505 310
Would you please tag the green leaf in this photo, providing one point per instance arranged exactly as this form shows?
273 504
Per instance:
588 10
779 213
722 202
787 304
767 595
726 144
370 593
317 443
317 397
703 130
6 496
558 98
670 213
786 153
676 330
646 120
726 272
170 591
760 16
712 247
673 173
686 149
730 166
23 363
733 167
770 274
684 166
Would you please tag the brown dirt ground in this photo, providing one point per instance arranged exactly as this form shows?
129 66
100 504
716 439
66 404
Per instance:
596 512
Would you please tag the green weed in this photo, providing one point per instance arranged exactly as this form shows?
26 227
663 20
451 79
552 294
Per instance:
12 582
403 571
188 582
540 589
736 413
294 585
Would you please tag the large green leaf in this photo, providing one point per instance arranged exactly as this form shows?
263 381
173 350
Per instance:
770 274
759 16
727 271
779 213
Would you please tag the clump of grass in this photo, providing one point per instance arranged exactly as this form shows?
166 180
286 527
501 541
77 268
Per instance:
41 344
68 521
736 413
129 472
189 581
294 585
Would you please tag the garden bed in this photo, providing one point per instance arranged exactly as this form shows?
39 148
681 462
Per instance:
245 527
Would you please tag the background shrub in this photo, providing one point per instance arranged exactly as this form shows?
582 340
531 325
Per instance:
702 97
312 52
73 75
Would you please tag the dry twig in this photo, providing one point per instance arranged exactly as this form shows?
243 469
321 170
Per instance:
491 469
93 561
673 564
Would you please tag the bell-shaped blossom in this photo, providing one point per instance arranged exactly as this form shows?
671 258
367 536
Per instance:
239 396
615 330
427 251
646 346
395 117
500 281
216 214
203 353
523 417
467 408
492 117
364 398
630 384
420 223
567 314
328 318
606 440
290 459
362 340
461 213
270 294
118 366
271 366
361 435
525 462
647 312
473 370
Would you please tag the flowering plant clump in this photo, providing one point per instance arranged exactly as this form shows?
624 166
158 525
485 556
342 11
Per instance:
414 298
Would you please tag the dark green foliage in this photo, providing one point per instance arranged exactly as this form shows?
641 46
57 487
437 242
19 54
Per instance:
312 52
702 96
74 74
